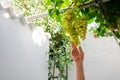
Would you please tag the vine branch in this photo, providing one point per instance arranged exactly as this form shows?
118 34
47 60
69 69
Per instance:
85 5
100 6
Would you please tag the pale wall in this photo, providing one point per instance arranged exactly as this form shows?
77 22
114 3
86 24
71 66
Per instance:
20 58
102 59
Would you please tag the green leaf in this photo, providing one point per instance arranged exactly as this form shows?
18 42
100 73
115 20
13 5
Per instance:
57 11
90 21
82 11
50 12
48 3
65 4
117 34
101 30
92 14
99 19
58 18
54 13
59 3
86 10
81 1
112 20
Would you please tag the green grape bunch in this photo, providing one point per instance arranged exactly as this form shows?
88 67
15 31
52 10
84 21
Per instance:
81 27
75 27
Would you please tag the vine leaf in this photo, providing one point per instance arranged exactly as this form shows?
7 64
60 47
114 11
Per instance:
90 21
48 2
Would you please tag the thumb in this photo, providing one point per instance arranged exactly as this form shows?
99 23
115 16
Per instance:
80 49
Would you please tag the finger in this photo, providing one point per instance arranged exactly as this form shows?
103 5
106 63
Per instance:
80 49
81 52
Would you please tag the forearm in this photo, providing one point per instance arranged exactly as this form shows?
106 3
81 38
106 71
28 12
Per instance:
80 71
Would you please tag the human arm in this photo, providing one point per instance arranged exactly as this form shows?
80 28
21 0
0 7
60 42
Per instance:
78 57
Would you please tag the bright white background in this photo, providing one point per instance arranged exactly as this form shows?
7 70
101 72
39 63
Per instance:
20 57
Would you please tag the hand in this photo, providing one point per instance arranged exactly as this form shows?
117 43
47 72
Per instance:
77 54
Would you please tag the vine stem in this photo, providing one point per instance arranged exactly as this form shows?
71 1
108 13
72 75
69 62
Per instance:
54 70
67 71
66 67
85 5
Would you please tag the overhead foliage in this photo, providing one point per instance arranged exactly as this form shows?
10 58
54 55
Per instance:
107 14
